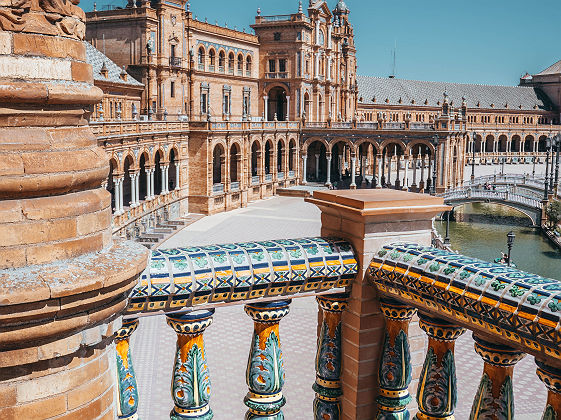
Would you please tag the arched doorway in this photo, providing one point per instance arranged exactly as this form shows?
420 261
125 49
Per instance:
127 181
502 143
255 158
280 151
234 162
268 156
392 156
542 144
217 164
421 157
291 155
172 171
307 106
158 173
515 144
317 162
529 144
143 181
277 104
490 144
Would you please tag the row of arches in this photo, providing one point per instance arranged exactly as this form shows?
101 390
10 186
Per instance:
268 158
134 181
503 144
222 61
368 164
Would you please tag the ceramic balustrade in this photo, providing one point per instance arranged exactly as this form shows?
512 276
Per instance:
511 314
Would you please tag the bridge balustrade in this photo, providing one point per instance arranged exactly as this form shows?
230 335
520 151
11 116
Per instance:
510 313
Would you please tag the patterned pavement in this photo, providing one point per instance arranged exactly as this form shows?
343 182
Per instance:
227 340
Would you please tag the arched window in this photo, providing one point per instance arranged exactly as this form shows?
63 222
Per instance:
321 38
248 66
221 61
240 64
211 59
231 60
201 59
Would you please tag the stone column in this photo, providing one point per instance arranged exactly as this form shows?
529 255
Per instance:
121 204
397 164
353 172
288 108
388 178
64 279
265 368
137 188
317 167
414 184
363 220
177 175
405 180
132 203
118 182
163 170
380 162
190 385
266 107
304 169
328 182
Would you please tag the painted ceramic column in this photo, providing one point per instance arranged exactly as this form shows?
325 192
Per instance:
328 182
551 377
494 399
190 386
328 358
437 393
304 169
395 363
126 379
265 369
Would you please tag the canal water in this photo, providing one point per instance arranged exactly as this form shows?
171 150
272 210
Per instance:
480 231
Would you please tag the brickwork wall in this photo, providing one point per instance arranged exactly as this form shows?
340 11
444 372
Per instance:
72 378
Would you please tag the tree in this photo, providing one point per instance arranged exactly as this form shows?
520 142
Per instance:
553 212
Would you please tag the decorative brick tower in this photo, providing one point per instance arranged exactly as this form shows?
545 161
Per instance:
63 280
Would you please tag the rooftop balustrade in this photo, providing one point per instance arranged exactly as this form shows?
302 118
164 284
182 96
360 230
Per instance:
357 281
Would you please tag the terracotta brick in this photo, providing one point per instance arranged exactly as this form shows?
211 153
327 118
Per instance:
92 410
5 43
10 211
89 391
49 46
47 231
46 253
82 72
14 257
73 204
60 347
11 164
57 161
7 396
94 222
43 409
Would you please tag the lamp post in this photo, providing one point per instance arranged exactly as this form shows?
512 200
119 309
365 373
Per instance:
447 238
546 190
435 144
503 166
509 242
551 169
557 150
474 135
534 168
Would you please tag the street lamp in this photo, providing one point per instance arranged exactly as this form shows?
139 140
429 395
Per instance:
433 186
447 238
474 135
547 147
503 159
509 242
557 150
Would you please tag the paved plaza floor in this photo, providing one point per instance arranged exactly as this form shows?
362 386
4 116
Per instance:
228 339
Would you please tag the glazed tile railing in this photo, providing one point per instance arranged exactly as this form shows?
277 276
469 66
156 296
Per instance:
510 312
187 283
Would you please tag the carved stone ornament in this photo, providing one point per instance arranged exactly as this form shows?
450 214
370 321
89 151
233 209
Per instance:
50 17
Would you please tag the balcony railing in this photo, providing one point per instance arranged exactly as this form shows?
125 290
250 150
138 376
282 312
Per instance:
234 186
255 180
268 177
511 313
291 174
218 188
175 61
280 176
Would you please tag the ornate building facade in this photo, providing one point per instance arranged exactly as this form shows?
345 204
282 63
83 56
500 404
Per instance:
226 117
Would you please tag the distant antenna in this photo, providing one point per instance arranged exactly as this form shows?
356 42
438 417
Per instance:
394 59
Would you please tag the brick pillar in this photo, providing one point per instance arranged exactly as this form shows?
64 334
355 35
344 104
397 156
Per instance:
63 279
370 219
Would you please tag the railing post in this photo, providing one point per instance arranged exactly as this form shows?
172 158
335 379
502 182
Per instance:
494 399
265 369
190 385
361 217
395 362
127 391
327 405
551 377
437 393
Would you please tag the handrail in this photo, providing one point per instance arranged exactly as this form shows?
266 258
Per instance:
485 297
184 278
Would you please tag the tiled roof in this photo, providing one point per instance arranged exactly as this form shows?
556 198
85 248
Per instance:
516 97
553 69
96 58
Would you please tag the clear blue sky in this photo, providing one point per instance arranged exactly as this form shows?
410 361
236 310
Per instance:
476 41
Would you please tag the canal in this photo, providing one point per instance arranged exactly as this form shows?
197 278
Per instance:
480 231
